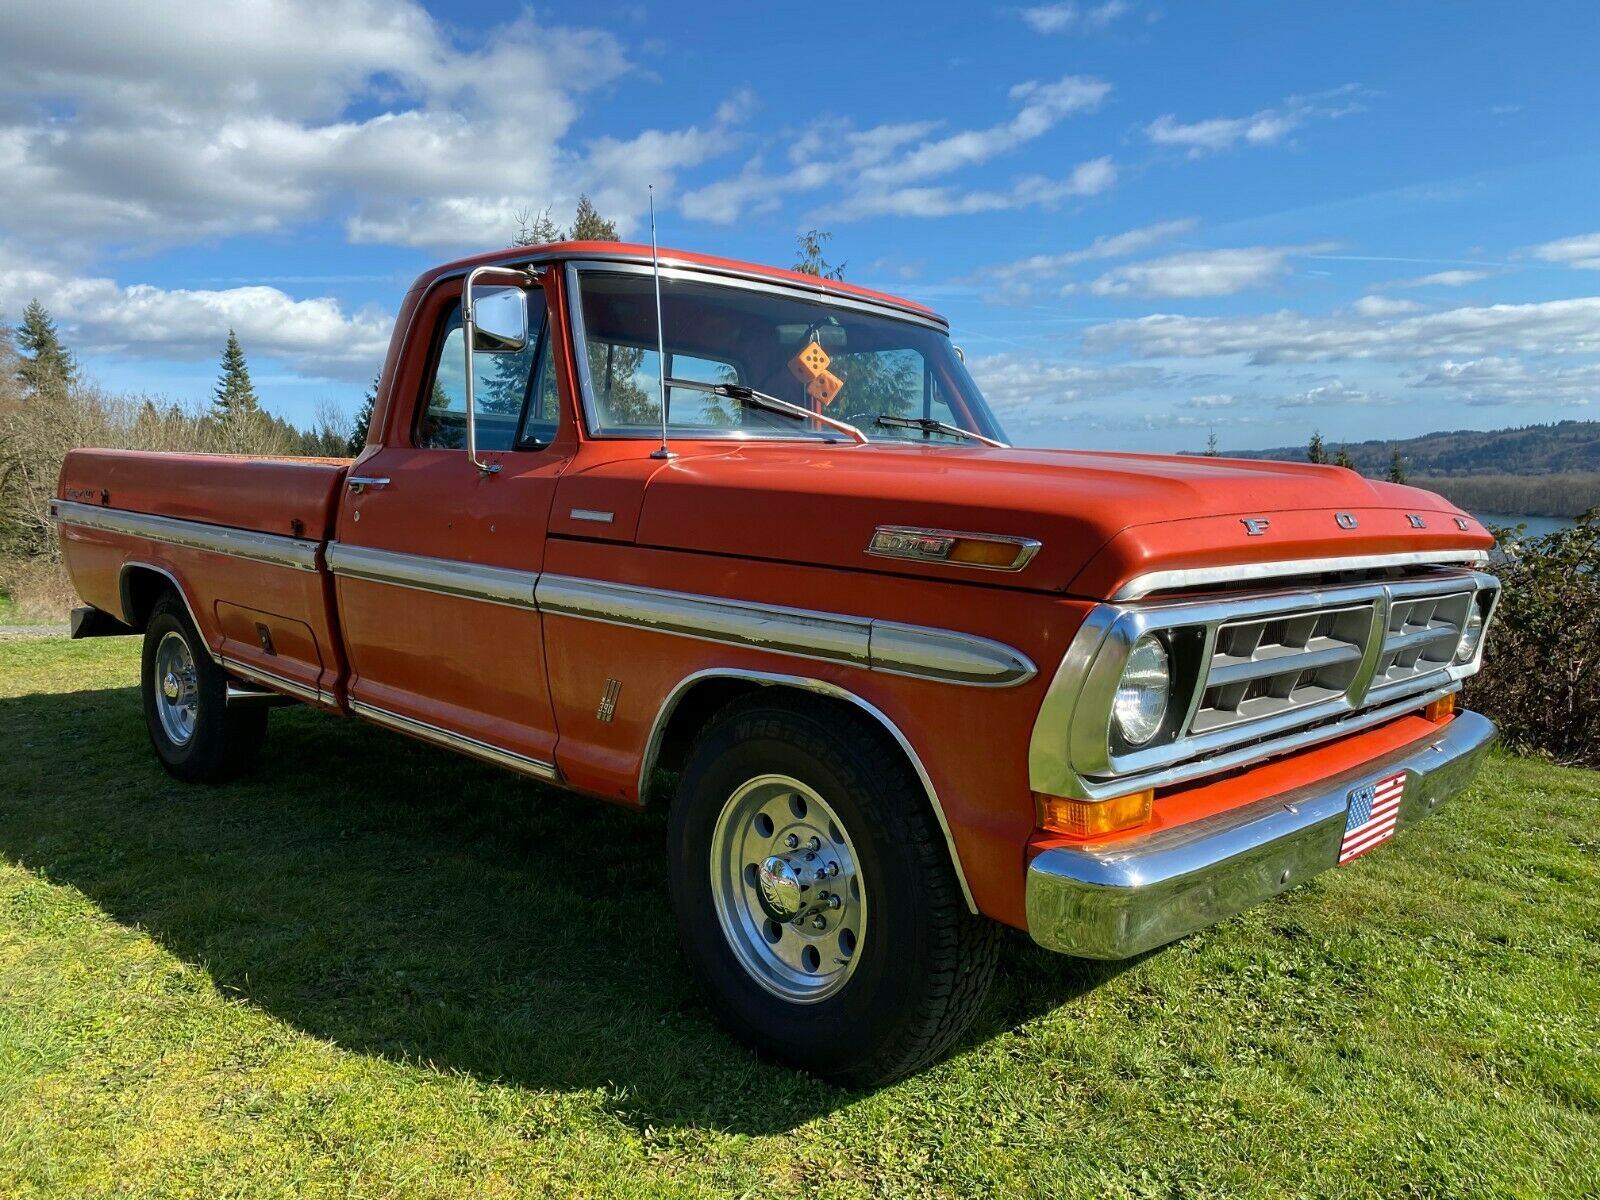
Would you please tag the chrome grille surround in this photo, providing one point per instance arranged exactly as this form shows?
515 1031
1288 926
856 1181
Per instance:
1255 675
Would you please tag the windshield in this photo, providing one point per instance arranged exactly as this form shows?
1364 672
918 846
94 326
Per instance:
846 363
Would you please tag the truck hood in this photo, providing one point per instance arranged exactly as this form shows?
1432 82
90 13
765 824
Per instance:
1102 519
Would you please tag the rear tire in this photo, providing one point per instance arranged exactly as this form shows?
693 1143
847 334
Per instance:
852 956
196 735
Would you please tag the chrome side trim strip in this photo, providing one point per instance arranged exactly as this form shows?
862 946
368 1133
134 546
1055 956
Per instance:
510 759
734 622
195 535
652 752
447 576
1195 577
887 646
292 687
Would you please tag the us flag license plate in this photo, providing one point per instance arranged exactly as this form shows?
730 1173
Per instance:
1371 813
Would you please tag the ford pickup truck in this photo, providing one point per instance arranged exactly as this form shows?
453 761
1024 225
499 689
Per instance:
751 544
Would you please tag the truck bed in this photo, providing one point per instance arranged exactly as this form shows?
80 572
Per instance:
240 537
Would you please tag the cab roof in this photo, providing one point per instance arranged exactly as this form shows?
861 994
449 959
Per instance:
633 252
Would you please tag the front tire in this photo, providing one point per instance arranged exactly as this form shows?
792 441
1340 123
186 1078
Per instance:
196 735
816 901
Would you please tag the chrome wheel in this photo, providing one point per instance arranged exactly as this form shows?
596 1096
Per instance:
177 689
787 887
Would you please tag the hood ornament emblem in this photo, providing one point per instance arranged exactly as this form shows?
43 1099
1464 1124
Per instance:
1255 526
1346 520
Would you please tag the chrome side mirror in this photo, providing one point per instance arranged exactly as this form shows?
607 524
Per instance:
495 323
500 321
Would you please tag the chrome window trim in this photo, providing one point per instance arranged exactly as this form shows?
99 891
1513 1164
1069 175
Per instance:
658 731
693 273
1069 751
442 576
1185 578
270 548
885 646
486 751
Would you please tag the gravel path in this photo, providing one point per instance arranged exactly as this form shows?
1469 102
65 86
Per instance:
33 631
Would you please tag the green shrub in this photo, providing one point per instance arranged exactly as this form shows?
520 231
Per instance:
1541 676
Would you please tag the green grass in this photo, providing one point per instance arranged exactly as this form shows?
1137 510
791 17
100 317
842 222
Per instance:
374 969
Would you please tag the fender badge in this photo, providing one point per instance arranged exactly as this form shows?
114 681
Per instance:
1416 521
1255 526
1346 520
1461 524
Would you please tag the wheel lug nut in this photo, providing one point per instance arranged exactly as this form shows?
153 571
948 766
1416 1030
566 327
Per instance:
833 869
834 901
815 843
792 841
819 922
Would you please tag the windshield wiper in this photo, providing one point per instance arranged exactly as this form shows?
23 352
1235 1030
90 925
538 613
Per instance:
929 425
767 403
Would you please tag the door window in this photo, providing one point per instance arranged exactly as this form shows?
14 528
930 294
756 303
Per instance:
513 391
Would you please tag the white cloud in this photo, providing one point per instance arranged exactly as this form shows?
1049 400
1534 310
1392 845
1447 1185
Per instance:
1551 327
1581 251
1059 18
891 169
99 316
1117 245
1087 179
1333 393
1263 128
1442 279
1202 272
151 123
1211 400
1512 381
1026 387
1384 306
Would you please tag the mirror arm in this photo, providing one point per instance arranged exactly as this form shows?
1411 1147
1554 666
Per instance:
469 332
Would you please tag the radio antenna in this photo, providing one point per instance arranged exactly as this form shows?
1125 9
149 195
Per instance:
661 339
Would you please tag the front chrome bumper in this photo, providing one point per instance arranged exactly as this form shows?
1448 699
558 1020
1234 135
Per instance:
1137 893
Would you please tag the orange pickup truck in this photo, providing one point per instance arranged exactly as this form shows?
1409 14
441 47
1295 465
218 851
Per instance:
759 531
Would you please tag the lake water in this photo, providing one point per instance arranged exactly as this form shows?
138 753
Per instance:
1537 526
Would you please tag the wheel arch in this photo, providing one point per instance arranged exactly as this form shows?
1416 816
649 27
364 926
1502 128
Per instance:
697 696
140 585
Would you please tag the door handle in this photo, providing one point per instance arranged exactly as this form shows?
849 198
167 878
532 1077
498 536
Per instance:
360 483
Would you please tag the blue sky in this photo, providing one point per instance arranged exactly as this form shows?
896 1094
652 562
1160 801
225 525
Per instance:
1148 222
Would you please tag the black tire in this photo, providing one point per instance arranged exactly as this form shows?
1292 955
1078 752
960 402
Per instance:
224 740
924 961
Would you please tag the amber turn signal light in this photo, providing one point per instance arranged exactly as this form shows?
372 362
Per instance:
1091 818
1441 709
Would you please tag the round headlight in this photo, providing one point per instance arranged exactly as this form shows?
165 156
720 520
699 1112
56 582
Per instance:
1141 700
1471 634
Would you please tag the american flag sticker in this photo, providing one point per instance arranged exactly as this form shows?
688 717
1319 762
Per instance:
1372 813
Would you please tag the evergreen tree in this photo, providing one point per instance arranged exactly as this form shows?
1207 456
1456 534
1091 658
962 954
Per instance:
363 421
808 255
1397 467
1343 459
45 366
589 226
234 395
1211 446
1316 452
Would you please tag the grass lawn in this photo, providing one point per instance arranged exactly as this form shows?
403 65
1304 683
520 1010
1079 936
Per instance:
376 969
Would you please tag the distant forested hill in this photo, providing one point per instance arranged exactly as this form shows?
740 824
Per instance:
1529 450
1535 470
